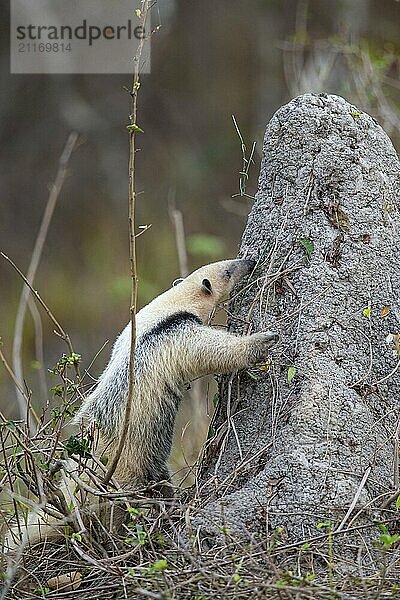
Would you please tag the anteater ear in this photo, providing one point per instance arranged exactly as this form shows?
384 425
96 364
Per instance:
176 281
206 286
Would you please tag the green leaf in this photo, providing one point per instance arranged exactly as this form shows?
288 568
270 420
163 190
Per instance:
81 447
134 511
158 566
224 530
57 390
398 502
325 524
367 312
134 128
388 540
251 375
42 591
141 535
74 359
308 245
291 373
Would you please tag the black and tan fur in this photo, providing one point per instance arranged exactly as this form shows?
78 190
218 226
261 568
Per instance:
174 346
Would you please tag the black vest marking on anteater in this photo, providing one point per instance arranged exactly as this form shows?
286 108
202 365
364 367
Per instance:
169 324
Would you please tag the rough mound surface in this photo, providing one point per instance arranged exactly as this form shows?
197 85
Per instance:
317 431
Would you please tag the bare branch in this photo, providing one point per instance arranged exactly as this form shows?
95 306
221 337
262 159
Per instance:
133 130
35 260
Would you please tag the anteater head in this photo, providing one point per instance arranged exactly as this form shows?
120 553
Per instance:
210 285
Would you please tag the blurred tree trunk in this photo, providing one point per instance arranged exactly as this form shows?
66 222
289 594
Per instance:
317 431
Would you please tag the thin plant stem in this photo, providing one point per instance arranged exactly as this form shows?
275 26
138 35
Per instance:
133 131
59 330
34 263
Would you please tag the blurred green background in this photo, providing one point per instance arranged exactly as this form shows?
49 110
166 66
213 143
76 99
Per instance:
209 60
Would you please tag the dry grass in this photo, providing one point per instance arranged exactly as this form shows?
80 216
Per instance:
161 553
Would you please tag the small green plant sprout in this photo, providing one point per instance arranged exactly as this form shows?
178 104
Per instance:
308 245
398 502
291 373
133 128
159 566
246 164
236 577
385 539
66 362
57 390
367 312
134 515
134 512
328 526
138 536
61 412
388 540
42 591
76 536
224 530
73 359
79 446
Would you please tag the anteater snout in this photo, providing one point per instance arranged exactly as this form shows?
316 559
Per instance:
249 263
242 267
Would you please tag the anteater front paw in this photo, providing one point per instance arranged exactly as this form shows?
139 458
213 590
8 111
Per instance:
260 344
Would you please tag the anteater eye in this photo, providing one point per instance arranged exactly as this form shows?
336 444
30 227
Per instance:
206 285
176 281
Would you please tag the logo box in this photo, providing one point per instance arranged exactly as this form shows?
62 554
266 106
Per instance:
77 36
